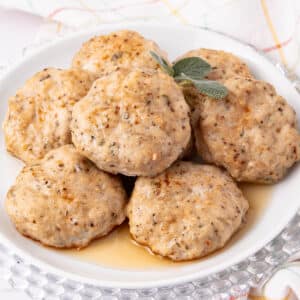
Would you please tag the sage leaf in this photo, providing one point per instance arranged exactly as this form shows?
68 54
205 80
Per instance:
211 88
162 62
192 70
193 67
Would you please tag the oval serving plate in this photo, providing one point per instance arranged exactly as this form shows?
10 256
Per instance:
280 208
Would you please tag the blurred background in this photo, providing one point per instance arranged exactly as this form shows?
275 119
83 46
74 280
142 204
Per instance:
271 25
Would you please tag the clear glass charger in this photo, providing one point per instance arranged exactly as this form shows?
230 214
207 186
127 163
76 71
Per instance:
235 281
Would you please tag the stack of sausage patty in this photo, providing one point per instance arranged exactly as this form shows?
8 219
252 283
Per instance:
116 113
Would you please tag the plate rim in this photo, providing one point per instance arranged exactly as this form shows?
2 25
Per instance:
116 284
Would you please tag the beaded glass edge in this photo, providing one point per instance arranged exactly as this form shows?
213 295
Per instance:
234 282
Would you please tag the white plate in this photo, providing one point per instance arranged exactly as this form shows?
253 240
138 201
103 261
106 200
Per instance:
175 40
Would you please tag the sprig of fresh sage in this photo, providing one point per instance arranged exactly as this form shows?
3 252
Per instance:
192 70
210 88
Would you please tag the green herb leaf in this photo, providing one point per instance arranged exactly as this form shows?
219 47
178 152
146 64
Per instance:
193 67
162 62
192 70
211 88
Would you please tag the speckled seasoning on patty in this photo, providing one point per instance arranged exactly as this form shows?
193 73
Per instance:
133 122
121 49
64 201
188 211
252 133
39 115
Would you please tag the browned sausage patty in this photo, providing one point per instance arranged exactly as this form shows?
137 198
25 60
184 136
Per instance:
186 212
39 115
64 201
121 49
252 133
133 122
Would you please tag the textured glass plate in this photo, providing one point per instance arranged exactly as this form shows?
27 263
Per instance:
231 275
232 282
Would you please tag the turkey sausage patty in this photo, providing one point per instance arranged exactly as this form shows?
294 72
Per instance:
132 122
224 64
39 115
126 49
186 212
65 201
252 133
